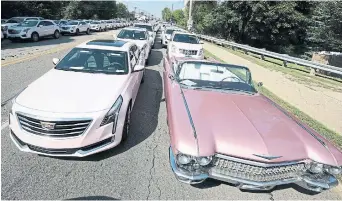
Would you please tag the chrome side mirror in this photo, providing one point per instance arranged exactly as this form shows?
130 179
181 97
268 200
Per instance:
171 77
260 84
55 61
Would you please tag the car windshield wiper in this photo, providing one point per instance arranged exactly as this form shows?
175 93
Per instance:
222 88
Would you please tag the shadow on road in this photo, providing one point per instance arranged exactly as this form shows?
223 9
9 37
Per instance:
93 198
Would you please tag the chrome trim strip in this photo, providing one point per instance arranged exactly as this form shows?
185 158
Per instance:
55 129
52 134
53 118
256 163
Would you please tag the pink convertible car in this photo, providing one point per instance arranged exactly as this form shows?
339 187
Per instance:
222 128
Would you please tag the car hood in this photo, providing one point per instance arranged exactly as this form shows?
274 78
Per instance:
187 46
72 92
244 126
9 24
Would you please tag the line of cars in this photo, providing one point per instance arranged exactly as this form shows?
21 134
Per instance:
220 126
34 28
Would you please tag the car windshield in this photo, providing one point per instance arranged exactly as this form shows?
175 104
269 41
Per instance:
94 61
148 27
132 34
30 23
185 38
73 23
94 22
170 31
214 76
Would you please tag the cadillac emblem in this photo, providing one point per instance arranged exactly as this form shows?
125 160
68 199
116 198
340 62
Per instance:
47 125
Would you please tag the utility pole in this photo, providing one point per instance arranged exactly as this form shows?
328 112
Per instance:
172 13
190 22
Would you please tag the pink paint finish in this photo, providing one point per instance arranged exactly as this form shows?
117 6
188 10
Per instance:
240 125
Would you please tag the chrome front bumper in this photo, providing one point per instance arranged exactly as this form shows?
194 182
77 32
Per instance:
304 181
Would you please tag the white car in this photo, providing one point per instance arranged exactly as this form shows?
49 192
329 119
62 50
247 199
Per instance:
89 110
109 24
33 29
15 21
140 37
97 26
105 24
150 30
75 27
185 45
166 35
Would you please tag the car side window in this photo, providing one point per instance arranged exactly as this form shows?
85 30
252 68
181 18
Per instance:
41 23
48 23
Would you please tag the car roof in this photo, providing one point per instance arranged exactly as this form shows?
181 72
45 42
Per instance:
135 28
185 33
106 44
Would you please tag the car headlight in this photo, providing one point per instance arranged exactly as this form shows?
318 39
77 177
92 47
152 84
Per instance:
26 30
200 52
203 161
316 168
113 114
183 159
333 170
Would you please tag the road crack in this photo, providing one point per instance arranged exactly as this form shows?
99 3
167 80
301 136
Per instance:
151 176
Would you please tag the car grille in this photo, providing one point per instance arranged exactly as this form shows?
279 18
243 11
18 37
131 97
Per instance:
188 52
53 128
256 173
12 31
65 28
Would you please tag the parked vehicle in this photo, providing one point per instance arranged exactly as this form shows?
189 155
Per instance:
34 30
140 37
150 30
79 116
105 24
222 128
185 45
75 27
61 23
166 35
15 21
97 26
109 24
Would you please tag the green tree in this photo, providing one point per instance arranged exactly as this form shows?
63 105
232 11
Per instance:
178 17
122 11
166 14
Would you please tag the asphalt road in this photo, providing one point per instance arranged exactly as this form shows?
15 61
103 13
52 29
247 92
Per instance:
137 169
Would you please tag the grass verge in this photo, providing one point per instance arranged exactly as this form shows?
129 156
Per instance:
299 73
330 135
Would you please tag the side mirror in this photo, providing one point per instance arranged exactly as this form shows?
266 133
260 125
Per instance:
201 42
260 84
138 68
55 61
40 26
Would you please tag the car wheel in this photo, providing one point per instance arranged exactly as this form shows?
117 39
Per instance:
88 31
77 32
56 35
146 61
35 37
127 124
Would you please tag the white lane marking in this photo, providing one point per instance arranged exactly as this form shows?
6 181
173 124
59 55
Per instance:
3 126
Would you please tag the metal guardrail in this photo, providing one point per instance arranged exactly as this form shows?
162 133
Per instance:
285 58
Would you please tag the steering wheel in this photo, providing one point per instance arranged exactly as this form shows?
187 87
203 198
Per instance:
116 63
231 77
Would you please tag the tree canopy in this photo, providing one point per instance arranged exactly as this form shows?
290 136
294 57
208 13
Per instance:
64 9
291 27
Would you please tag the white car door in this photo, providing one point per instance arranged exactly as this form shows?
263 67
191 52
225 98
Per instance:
41 28
49 28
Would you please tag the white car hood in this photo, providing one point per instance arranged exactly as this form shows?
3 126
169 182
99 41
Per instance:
72 92
9 24
188 46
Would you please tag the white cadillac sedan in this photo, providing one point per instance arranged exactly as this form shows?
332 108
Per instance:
185 45
83 105
139 36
